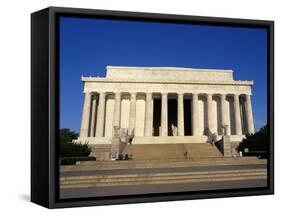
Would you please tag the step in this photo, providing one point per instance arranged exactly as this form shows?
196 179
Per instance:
108 165
171 151
155 151
161 178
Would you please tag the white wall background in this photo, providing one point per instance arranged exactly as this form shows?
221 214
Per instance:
15 106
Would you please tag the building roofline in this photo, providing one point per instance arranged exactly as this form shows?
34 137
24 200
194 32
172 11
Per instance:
169 68
108 80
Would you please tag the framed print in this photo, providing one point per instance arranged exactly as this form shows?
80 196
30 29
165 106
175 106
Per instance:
139 107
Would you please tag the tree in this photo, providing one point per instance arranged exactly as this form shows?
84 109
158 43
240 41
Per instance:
255 143
74 150
70 149
66 135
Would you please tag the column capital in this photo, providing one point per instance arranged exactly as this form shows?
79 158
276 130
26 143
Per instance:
236 96
195 95
133 95
164 93
148 94
117 96
180 93
88 93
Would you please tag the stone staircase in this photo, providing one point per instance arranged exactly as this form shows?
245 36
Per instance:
164 163
171 151
202 150
106 178
155 151
161 178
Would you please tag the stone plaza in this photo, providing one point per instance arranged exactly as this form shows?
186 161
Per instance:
164 105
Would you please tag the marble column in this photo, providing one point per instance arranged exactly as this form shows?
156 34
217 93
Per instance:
195 115
148 115
210 114
93 116
237 115
180 115
85 123
164 114
101 115
249 115
132 120
117 109
224 114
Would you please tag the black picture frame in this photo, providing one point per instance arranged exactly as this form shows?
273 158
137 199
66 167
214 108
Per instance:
45 107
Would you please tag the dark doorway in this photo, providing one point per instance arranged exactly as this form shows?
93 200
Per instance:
187 117
172 115
156 116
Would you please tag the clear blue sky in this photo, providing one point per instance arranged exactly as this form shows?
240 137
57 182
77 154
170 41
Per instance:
88 45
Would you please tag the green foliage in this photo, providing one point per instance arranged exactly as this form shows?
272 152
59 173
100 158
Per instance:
66 135
74 150
70 149
257 142
73 160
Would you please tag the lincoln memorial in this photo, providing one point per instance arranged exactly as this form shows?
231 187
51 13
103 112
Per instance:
165 105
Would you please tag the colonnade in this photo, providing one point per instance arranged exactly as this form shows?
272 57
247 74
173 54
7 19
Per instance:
94 110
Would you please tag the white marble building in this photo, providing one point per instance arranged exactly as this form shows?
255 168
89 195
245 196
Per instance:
152 100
